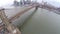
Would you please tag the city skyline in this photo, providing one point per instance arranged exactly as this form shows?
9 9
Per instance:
9 2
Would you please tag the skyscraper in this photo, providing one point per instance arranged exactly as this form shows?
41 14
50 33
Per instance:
16 3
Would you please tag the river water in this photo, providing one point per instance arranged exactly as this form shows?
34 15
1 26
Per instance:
42 22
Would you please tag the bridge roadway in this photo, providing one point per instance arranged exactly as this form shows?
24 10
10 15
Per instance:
8 21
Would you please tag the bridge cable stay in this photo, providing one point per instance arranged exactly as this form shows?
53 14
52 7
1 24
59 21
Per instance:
9 28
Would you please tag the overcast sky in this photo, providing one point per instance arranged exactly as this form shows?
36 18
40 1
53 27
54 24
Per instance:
6 2
9 2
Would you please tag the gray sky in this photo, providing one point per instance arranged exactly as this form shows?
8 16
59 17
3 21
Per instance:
6 2
9 2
